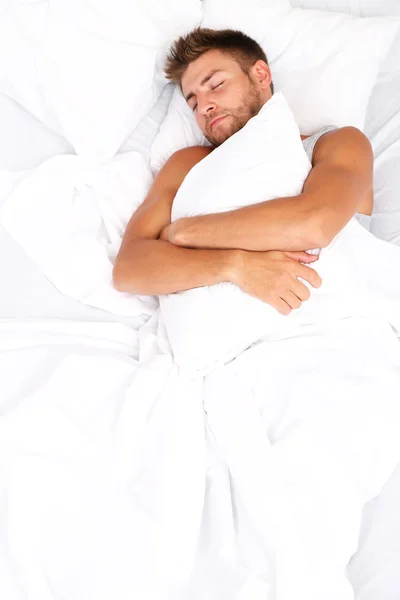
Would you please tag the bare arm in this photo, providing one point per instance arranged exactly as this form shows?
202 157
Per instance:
333 192
148 265
152 266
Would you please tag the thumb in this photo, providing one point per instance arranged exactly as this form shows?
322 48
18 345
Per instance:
303 257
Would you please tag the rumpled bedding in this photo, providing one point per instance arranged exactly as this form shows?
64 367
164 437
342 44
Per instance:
122 475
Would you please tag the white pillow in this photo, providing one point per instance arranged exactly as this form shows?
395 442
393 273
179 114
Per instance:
325 63
25 142
211 325
89 69
178 130
382 124
356 7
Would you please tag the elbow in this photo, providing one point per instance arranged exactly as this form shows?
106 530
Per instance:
120 280
322 238
319 235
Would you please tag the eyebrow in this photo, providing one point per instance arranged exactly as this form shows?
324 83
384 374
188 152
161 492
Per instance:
202 82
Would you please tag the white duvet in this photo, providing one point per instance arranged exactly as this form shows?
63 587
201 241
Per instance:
123 477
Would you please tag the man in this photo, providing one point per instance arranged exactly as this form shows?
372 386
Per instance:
225 78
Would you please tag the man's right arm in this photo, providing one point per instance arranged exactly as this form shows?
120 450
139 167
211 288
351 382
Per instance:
151 266
148 265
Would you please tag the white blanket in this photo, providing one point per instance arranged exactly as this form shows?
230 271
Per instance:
69 214
121 477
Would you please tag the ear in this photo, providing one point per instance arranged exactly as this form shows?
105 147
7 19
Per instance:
262 73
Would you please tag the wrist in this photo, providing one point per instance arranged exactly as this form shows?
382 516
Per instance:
234 265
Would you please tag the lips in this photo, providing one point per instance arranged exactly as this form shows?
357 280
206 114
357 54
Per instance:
217 120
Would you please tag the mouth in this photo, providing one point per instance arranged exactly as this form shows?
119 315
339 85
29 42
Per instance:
216 121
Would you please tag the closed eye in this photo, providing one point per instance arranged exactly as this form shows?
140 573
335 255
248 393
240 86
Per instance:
213 88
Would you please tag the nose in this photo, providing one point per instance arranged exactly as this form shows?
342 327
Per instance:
205 104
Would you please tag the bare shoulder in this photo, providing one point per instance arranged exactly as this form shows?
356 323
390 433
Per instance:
343 145
174 171
348 151
155 211
171 175
183 160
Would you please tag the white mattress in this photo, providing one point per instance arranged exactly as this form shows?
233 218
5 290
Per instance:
27 294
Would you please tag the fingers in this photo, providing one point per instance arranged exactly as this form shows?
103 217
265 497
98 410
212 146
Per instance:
300 289
303 257
292 300
282 306
308 274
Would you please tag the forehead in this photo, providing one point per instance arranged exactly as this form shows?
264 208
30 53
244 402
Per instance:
202 66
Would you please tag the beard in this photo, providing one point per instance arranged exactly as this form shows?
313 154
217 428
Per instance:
236 118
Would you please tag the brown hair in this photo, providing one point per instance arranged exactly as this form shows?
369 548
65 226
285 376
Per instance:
187 48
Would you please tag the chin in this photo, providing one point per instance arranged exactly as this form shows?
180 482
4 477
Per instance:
217 141
220 138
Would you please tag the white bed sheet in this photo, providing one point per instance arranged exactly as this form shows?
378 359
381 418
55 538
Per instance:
28 294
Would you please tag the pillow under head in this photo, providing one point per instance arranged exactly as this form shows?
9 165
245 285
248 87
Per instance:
325 63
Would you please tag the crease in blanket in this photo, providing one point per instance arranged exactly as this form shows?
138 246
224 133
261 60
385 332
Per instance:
280 503
183 479
190 392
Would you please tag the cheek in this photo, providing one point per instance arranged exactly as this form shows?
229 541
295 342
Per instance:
231 98
200 120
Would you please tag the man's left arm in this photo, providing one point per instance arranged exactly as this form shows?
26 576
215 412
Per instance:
341 178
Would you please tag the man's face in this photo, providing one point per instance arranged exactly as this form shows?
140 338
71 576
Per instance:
223 97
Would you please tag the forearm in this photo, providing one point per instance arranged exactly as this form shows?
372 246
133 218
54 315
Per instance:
150 266
280 224
336 186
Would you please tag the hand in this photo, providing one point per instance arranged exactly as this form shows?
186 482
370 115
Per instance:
272 277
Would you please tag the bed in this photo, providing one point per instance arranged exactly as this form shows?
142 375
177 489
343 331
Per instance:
70 499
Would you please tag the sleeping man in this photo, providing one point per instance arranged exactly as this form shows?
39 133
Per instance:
306 419
225 79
